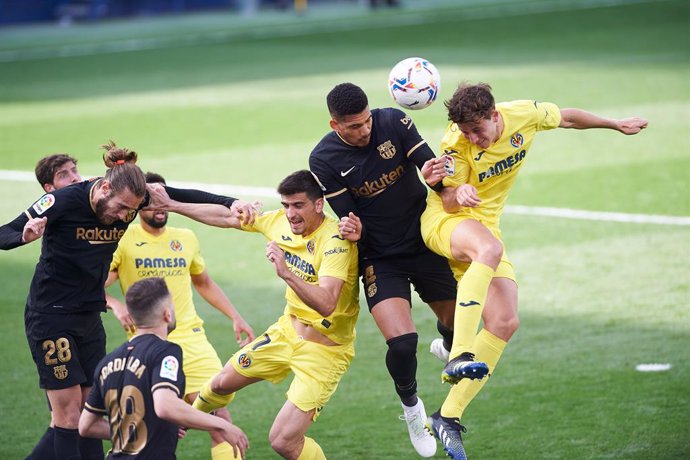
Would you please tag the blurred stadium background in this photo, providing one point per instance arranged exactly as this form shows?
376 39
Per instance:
230 96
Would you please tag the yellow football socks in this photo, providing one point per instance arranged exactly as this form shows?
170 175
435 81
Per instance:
224 451
469 303
311 450
208 401
487 348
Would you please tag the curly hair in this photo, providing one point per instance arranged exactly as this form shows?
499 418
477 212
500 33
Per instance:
470 103
346 99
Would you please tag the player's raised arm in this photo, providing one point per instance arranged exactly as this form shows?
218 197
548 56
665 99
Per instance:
581 119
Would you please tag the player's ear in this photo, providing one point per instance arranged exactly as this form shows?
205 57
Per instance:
318 205
49 188
334 124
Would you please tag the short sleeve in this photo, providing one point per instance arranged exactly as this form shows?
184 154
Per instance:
167 372
48 205
337 257
94 402
548 115
455 150
327 180
198 264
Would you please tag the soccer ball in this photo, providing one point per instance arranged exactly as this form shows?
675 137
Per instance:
414 83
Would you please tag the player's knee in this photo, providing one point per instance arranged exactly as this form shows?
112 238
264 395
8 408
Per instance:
281 443
503 328
490 251
403 347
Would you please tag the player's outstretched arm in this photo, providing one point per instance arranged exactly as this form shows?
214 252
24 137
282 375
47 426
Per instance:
211 214
171 408
215 296
581 119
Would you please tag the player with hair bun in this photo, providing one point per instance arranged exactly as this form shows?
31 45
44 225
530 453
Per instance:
81 226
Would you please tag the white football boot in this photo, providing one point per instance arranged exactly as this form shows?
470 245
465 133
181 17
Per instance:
422 440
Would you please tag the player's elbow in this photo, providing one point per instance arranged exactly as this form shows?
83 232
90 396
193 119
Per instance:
87 426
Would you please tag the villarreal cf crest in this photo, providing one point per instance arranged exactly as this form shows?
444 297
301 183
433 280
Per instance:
517 140
311 246
244 360
175 245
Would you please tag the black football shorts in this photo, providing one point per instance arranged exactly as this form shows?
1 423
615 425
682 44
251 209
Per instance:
390 277
66 348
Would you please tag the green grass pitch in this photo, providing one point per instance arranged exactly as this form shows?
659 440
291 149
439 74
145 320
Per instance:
227 100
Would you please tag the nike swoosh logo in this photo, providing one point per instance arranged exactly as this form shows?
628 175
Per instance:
345 173
140 244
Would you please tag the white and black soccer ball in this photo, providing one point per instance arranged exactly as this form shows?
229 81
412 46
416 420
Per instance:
414 83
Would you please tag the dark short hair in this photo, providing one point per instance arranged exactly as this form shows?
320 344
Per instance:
154 178
48 165
144 298
302 181
346 99
470 103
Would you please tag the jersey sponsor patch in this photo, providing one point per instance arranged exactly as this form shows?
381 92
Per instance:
449 165
169 368
44 203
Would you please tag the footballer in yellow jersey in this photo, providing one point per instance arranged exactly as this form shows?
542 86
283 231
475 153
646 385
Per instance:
152 249
485 146
314 337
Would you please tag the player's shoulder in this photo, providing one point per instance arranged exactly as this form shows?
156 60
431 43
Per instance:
74 195
181 233
390 117
453 141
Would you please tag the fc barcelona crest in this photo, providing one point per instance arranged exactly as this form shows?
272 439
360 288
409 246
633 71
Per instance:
130 216
386 150
60 372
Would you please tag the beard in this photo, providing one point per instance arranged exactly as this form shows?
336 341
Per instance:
102 211
155 223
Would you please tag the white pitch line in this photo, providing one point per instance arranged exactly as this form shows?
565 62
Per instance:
251 192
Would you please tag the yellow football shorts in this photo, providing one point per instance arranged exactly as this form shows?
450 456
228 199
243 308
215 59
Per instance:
437 228
200 362
278 351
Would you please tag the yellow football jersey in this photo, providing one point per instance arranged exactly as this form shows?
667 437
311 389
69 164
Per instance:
323 253
174 256
493 171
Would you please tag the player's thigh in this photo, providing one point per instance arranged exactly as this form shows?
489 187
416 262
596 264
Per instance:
318 369
393 317
66 406
469 238
268 356
433 280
